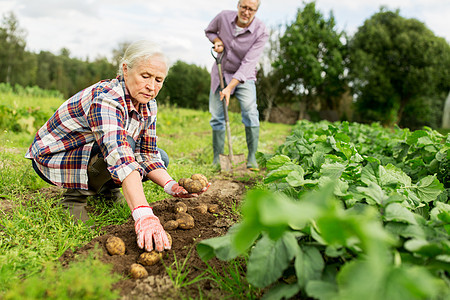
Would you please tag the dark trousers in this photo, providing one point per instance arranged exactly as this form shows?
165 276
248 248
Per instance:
96 150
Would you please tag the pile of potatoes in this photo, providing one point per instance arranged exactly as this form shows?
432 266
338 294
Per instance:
116 246
183 219
194 184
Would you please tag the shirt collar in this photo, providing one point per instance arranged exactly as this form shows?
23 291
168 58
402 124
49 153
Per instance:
144 110
250 28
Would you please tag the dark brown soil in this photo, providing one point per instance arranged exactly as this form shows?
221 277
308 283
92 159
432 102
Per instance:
226 192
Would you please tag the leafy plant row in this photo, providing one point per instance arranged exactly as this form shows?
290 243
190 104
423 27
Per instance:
348 211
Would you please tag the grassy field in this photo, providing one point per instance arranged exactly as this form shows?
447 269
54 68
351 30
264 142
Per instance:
35 232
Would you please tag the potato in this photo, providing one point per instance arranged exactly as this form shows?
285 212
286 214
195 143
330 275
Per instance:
181 181
180 207
193 186
200 177
185 181
171 225
213 208
201 208
169 237
115 246
185 221
137 271
149 258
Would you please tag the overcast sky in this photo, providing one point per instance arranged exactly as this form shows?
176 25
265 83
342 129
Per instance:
92 28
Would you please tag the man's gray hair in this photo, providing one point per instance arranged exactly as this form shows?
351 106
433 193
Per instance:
138 51
259 2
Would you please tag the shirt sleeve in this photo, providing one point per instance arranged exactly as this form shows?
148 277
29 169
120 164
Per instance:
107 121
146 152
212 30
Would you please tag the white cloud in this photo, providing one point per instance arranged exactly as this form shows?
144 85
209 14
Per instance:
92 28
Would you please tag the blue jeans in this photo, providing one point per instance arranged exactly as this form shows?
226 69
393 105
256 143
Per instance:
164 156
246 95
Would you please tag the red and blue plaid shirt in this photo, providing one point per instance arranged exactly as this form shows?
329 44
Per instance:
104 113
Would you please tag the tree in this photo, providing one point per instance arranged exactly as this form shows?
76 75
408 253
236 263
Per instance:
312 59
396 62
268 84
12 50
187 86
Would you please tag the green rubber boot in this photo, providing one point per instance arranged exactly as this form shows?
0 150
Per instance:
75 201
218 145
113 195
252 137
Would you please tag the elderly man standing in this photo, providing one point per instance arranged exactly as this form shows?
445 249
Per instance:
243 37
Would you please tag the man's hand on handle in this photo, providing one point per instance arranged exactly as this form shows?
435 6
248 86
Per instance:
218 45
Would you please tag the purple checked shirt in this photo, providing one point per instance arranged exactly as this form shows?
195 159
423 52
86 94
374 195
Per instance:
242 51
103 113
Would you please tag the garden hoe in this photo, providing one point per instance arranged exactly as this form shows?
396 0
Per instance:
228 162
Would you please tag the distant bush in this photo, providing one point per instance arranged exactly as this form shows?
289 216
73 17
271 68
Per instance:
26 109
33 91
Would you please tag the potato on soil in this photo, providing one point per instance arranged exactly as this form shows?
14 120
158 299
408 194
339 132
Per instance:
180 207
185 221
115 246
201 208
194 186
213 208
171 225
149 258
200 177
169 237
137 271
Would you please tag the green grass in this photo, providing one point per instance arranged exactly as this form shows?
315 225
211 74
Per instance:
35 231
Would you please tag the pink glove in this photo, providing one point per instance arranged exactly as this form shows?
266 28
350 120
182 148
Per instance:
174 189
149 229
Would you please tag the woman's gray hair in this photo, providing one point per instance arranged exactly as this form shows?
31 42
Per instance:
138 51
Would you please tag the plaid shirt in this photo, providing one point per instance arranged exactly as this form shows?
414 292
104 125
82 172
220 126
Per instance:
104 113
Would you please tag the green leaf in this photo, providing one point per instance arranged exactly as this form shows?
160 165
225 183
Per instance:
371 173
414 137
308 265
221 247
393 175
374 193
277 161
318 159
247 234
425 248
406 230
282 172
270 258
333 171
321 290
281 291
346 149
397 212
440 213
337 230
342 137
359 279
295 178
429 188
413 282
279 212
